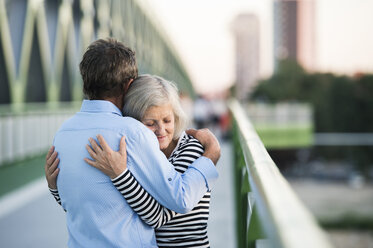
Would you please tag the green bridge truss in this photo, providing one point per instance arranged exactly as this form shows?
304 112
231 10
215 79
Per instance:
42 42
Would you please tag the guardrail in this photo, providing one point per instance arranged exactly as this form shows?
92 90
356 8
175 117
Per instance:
29 131
269 214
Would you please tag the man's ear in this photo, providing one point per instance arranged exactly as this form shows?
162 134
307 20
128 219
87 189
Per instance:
127 85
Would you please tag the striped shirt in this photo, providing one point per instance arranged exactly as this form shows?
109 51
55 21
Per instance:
171 229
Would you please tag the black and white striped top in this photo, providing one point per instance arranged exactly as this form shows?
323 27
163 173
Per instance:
171 229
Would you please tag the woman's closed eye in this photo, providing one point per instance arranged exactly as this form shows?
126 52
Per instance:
149 124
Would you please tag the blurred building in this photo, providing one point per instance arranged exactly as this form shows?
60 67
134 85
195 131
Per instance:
294 32
246 32
306 34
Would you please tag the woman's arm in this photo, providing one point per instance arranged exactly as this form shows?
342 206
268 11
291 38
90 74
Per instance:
56 195
51 168
51 172
149 210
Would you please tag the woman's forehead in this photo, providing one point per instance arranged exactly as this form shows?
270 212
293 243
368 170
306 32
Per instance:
159 111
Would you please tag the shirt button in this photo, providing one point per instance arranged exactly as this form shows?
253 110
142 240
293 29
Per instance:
169 179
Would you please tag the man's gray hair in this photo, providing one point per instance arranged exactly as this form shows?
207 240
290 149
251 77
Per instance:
149 90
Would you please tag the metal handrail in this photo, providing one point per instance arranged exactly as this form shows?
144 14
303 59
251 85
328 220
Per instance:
283 219
28 131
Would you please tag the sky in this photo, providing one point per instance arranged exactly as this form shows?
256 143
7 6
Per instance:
345 35
200 30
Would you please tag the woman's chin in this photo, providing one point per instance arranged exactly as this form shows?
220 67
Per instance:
162 147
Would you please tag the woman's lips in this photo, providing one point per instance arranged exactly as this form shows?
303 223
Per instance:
161 137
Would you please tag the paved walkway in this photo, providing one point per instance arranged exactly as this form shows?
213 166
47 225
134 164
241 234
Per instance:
335 202
35 222
222 220
29 217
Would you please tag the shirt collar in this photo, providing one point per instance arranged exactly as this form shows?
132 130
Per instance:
181 140
97 106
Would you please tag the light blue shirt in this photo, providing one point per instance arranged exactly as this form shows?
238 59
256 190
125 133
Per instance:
97 214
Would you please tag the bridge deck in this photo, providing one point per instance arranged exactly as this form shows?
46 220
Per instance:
222 219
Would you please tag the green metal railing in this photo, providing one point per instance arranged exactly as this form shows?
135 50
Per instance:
269 214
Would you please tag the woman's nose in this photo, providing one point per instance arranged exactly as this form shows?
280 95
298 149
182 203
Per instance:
160 129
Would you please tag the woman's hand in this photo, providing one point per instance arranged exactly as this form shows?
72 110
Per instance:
105 159
50 168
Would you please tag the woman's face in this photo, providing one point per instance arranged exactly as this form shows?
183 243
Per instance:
161 120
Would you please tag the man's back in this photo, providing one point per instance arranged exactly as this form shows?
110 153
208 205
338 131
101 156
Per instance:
97 214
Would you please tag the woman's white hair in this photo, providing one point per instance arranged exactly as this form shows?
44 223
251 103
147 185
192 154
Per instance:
147 91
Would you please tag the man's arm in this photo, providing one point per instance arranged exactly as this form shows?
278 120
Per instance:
149 210
208 141
157 175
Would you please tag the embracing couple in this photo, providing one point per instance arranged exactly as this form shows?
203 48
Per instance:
124 169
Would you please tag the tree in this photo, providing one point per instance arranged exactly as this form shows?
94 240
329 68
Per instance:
340 103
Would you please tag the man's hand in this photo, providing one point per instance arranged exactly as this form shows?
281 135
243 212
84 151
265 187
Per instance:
209 141
50 168
105 159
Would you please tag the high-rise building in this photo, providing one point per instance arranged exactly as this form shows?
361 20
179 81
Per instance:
294 32
246 31
306 30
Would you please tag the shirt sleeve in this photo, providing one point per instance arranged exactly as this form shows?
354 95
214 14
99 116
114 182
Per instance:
150 167
149 210
56 196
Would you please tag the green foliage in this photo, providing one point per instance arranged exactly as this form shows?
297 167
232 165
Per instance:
283 85
340 103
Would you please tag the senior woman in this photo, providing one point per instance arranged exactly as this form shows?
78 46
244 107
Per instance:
155 102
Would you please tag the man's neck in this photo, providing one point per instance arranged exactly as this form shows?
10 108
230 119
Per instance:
117 101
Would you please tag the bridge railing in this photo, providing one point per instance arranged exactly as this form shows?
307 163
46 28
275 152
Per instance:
269 214
29 131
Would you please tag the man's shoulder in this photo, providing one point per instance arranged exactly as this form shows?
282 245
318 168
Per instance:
137 129
81 127
101 121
